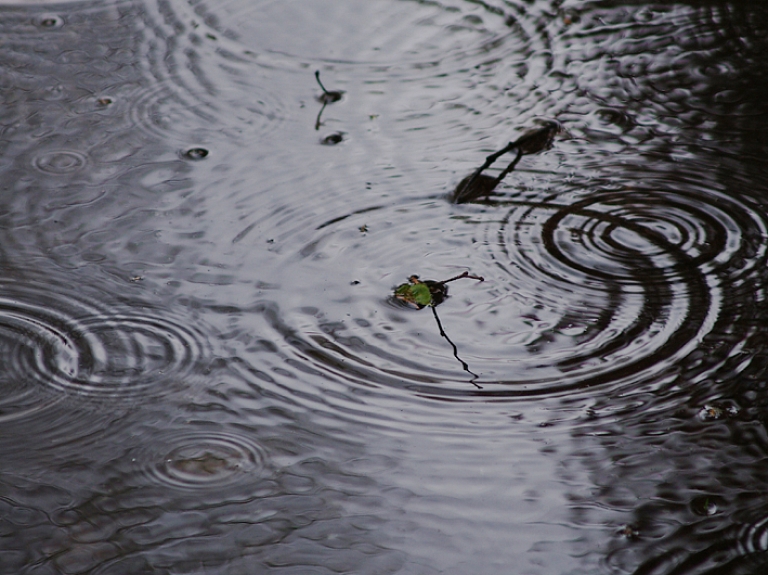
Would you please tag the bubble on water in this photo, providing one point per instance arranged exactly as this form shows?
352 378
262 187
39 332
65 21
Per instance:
195 154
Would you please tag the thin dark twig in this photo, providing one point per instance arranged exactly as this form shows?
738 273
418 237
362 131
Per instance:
328 97
317 77
455 350
318 123
463 275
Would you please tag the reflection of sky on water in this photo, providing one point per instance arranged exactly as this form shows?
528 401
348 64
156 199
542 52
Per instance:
204 374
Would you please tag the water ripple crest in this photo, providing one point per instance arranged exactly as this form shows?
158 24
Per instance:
604 286
60 341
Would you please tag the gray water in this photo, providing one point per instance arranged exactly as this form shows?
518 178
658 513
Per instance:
204 369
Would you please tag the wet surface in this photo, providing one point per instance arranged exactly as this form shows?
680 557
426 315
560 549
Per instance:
204 367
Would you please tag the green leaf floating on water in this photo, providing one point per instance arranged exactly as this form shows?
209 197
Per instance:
420 293
417 294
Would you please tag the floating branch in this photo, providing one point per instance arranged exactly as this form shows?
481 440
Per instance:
431 293
463 363
478 185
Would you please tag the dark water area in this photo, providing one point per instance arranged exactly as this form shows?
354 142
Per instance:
204 369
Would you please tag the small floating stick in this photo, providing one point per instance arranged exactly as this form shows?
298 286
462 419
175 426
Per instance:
327 97
463 363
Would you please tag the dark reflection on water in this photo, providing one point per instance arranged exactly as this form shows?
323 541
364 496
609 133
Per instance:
203 372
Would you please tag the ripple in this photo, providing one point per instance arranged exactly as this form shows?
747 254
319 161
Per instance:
59 341
203 460
169 73
583 288
60 162
452 66
672 65
412 33
22 400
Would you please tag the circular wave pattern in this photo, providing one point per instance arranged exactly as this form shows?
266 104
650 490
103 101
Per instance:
204 460
679 61
62 343
60 162
581 290
169 74
452 65
406 34
22 401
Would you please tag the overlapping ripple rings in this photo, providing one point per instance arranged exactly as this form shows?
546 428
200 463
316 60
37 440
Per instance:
584 287
62 342
121 74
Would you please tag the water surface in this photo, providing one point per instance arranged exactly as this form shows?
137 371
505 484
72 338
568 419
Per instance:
205 371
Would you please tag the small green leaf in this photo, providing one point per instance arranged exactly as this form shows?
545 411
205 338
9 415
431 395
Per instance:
417 294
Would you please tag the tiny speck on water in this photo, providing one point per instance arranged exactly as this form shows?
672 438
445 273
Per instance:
50 22
706 506
196 154
104 101
629 532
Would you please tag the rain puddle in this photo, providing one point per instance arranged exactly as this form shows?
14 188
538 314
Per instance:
233 333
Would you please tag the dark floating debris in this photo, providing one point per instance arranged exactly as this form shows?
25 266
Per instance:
50 21
196 154
327 97
104 101
629 532
474 186
419 294
478 185
332 139
718 411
